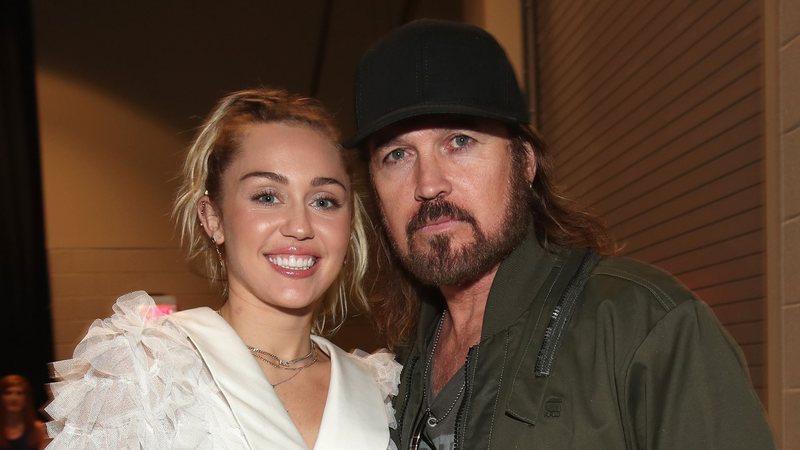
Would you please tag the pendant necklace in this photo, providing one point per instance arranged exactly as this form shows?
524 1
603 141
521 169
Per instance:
432 420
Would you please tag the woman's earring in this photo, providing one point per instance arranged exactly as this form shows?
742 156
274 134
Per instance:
219 253
222 274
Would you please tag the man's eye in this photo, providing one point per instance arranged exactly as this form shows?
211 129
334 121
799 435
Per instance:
461 141
396 155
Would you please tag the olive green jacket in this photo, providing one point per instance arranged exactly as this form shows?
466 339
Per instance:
641 364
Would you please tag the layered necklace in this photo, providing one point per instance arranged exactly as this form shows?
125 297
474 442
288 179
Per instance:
296 365
432 420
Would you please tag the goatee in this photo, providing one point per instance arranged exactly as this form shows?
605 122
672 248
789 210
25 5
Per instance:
437 261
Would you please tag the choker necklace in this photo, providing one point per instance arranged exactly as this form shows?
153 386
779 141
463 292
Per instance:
432 420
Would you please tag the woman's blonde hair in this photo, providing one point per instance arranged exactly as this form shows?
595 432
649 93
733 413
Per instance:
213 151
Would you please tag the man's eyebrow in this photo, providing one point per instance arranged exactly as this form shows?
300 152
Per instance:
387 143
268 175
322 181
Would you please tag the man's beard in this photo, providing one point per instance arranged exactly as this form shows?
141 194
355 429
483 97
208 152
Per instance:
435 262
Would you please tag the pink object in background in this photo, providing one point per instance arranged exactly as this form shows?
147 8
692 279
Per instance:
164 305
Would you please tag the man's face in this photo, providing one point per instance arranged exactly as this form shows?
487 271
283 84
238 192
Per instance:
453 201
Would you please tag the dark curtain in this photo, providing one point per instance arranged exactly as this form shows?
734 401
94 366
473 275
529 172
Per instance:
24 292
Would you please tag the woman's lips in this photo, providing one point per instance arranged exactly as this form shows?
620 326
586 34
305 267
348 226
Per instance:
293 265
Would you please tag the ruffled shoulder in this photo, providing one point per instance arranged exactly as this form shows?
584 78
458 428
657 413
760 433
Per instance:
386 373
130 384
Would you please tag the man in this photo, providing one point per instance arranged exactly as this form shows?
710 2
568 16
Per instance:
529 338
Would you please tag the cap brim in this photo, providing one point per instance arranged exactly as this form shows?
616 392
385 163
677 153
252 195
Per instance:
427 110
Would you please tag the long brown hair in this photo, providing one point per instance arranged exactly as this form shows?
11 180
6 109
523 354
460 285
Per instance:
28 413
558 222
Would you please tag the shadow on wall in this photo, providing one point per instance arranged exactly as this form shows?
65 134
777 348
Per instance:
109 169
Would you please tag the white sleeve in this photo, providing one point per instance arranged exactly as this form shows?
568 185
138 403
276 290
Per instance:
130 381
386 373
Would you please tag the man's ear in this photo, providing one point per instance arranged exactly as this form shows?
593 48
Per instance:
530 162
211 218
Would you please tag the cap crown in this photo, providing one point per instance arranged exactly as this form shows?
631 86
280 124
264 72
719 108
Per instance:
435 67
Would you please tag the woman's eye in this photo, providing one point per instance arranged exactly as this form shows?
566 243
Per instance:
325 203
266 197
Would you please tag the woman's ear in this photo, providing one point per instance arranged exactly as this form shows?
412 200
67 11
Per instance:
211 219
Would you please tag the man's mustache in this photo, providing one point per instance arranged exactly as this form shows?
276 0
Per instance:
433 210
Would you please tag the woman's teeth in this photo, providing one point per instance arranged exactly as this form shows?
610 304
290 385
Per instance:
293 262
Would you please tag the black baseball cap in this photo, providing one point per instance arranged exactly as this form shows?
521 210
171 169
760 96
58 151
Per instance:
435 67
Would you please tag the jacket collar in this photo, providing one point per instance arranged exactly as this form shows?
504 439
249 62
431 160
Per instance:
258 410
518 279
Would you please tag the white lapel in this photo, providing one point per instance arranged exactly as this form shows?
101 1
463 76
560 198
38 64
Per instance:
257 409
355 415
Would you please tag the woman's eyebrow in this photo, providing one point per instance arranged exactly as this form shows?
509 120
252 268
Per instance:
268 175
322 181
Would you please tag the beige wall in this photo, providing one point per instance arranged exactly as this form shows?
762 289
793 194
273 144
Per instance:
502 18
782 78
108 171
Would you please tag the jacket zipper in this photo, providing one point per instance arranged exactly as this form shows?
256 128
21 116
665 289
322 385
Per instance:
458 439
562 312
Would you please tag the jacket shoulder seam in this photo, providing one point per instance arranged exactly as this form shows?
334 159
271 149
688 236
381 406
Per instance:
662 297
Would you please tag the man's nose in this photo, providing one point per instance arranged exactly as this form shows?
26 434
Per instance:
432 179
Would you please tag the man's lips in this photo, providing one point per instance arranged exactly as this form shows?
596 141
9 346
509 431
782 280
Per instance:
439 224
437 216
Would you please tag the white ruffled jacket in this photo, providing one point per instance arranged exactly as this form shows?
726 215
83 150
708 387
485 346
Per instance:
187 381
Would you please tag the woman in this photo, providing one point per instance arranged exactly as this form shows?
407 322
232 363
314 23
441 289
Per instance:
21 429
267 202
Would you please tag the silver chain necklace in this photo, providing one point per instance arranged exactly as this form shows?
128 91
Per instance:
284 364
271 358
433 420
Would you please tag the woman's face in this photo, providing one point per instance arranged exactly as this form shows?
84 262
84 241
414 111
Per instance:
285 216
14 399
